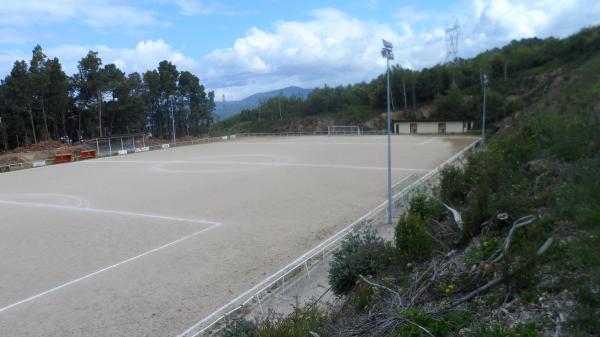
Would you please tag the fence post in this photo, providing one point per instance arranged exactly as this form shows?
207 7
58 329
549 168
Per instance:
122 143
97 147
306 268
259 303
144 140
109 148
133 143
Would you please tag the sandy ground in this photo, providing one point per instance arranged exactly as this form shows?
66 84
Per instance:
148 244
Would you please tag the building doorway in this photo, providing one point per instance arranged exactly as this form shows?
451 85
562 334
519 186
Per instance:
413 128
442 128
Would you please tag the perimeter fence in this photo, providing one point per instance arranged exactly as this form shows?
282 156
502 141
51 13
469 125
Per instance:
134 143
276 283
115 146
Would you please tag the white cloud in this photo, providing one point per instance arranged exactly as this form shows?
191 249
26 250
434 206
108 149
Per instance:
144 56
197 7
331 47
335 48
93 13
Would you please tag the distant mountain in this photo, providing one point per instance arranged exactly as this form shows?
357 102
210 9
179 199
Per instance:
253 101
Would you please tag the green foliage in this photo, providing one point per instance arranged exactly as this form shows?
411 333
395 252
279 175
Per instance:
454 90
452 105
453 185
41 102
364 255
240 328
413 242
448 324
297 324
425 207
361 297
522 330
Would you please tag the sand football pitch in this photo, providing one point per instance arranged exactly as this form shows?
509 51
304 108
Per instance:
150 243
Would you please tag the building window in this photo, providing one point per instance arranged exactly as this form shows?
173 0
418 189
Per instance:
441 127
413 128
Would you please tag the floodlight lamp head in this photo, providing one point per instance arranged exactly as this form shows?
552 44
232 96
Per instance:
387 54
387 44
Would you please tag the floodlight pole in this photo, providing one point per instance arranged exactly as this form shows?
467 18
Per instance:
389 145
388 54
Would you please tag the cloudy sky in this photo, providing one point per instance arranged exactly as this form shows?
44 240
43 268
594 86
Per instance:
241 47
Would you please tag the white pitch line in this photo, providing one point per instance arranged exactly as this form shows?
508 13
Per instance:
31 298
316 143
274 164
425 142
106 211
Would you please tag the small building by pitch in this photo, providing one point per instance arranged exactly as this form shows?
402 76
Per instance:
431 126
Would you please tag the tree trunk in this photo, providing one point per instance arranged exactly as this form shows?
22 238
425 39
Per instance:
47 136
99 108
32 124
404 91
4 137
414 97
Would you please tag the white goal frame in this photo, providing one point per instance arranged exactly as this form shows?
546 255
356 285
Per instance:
343 130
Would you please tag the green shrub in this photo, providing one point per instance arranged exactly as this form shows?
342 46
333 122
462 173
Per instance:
240 328
447 324
453 187
522 330
425 207
299 323
365 254
413 242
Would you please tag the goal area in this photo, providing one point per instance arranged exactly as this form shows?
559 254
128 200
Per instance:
343 130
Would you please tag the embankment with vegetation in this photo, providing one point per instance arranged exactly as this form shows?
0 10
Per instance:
519 74
524 258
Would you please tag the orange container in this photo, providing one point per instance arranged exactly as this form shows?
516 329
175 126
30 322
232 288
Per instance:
62 158
87 154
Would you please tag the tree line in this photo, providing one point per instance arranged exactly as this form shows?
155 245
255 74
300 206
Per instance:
450 91
39 102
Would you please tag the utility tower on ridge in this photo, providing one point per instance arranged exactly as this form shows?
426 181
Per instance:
452 36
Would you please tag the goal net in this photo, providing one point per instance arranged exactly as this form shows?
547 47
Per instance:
343 130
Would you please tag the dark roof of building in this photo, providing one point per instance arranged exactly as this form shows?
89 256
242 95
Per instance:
427 120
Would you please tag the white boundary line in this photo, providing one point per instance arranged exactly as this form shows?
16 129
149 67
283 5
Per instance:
46 292
31 298
106 211
255 163
265 284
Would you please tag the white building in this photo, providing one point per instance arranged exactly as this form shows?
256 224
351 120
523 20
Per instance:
431 126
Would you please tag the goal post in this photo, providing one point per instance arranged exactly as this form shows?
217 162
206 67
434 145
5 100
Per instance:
343 130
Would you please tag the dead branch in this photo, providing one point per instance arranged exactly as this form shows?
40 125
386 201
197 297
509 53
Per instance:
382 287
427 285
541 251
503 249
418 326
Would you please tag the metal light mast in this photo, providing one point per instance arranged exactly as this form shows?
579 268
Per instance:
388 54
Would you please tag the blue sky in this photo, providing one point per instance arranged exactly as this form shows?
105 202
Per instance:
241 47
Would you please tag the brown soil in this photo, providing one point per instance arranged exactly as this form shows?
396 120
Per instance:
39 151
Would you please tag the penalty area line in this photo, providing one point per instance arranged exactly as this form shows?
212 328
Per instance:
106 211
64 285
